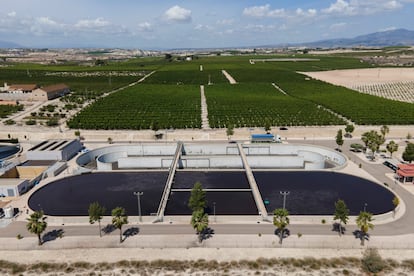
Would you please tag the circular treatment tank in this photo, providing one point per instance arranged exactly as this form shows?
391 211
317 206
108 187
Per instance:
8 150
228 193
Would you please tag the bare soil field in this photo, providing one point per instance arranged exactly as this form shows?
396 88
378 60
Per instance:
391 83
367 76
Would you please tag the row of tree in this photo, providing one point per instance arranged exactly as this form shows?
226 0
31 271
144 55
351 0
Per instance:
37 224
374 140
341 216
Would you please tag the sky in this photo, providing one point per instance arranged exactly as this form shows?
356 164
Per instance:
170 24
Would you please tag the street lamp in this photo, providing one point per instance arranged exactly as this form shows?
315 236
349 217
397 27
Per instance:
365 206
139 194
214 211
284 194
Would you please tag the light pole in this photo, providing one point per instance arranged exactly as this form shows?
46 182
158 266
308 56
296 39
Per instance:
284 194
365 206
139 194
214 211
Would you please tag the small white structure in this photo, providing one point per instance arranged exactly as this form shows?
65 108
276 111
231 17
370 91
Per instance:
11 187
54 150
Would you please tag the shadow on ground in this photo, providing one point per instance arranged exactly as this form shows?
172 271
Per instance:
52 235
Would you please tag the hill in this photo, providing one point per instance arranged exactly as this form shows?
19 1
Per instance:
396 37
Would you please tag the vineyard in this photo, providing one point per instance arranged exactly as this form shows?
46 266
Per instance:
400 91
143 107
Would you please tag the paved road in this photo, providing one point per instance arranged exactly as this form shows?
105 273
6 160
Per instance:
403 225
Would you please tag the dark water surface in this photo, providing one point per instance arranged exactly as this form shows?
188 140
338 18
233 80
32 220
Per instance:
4 153
311 193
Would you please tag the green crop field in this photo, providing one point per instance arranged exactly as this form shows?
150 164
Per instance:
144 106
254 105
170 98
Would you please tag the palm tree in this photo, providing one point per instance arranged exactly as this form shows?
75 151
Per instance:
96 213
363 221
197 198
384 130
199 221
281 221
119 218
341 214
36 224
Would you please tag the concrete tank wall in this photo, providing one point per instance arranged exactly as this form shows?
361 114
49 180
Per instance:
104 162
277 162
314 161
215 155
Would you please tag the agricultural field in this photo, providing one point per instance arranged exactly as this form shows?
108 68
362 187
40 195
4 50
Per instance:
6 110
144 106
400 91
361 108
253 105
170 98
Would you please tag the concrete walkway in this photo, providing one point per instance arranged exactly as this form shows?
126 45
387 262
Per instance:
204 110
229 77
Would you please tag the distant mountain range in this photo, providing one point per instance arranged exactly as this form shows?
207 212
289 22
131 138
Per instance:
397 37
7 44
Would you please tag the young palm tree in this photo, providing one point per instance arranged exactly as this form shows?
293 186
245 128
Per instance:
197 198
119 218
96 213
384 130
199 221
36 224
341 214
363 221
281 221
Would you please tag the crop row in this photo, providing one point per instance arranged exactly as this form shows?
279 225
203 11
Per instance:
255 105
400 91
361 108
143 107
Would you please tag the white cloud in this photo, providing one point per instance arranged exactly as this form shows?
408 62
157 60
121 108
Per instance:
260 27
388 29
12 14
201 27
307 13
178 14
358 7
341 7
338 26
263 11
392 5
46 21
90 24
225 22
145 27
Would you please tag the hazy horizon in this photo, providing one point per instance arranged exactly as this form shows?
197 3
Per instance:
194 24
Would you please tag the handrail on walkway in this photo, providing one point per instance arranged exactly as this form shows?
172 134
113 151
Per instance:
253 185
168 185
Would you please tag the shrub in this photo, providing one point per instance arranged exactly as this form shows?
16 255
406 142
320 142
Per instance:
9 122
372 261
30 122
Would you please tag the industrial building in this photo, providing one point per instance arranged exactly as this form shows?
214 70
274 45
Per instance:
59 150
